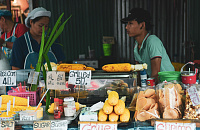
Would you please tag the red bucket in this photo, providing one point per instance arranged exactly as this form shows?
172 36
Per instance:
189 77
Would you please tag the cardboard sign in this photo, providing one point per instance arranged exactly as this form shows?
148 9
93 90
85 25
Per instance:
175 126
8 78
56 80
7 125
42 125
98 125
194 96
33 77
79 77
59 125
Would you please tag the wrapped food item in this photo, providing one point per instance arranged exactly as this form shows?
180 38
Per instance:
53 66
123 67
146 105
67 67
192 102
170 100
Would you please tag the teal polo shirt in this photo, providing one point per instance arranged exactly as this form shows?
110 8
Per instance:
151 48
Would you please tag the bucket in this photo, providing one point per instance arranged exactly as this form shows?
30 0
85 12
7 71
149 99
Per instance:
189 77
169 76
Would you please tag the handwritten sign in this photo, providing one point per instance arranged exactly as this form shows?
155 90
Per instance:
98 125
28 116
175 126
33 77
42 125
7 125
194 96
8 78
56 80
79 77
59 125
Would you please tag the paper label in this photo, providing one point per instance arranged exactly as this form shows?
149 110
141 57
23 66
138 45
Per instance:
175 126
33 77
28 117
42 125
79 77
59 125
56 80
8 78
7 125
194 96
98 126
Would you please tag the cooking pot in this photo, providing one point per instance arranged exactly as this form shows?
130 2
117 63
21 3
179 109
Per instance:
189 77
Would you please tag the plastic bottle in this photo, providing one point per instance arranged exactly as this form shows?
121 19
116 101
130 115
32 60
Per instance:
61 106
57 113
143 76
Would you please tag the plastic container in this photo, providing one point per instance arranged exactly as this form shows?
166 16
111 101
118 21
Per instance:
69 106
146 105
33 96
170 99
169 76
143 76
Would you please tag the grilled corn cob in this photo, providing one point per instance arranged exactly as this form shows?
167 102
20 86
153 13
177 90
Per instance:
67 67
120 67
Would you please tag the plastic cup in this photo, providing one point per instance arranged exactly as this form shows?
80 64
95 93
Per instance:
107 49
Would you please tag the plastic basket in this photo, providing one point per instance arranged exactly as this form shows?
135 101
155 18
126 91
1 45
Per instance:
33 96
169 75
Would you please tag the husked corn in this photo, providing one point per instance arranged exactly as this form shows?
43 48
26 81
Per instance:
67 67
19 101
120 67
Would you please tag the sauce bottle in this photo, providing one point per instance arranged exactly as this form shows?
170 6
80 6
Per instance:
57 113
61 106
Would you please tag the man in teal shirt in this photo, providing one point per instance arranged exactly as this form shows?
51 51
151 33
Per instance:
148 48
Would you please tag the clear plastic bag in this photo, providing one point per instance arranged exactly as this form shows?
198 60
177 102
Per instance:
170 99
146 105
192 102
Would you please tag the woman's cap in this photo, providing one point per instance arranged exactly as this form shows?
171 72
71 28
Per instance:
138 14
5 13
37 12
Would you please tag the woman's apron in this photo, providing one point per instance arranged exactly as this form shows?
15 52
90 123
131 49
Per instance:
32 57
8 51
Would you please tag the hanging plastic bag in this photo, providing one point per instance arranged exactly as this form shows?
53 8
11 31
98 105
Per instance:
4 63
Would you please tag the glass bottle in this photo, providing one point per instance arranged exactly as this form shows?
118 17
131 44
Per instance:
57 113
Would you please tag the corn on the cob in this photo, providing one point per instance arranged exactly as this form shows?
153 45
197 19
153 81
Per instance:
18 100
90 68
120 67
67 67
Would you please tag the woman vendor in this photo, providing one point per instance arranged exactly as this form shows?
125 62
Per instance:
148 48
26 48
11 31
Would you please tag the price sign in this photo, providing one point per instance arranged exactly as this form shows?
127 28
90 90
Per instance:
28 116
33 77
98 125
42 125
7 125
8 78
59 125
194 96
79 77
175 126
56 80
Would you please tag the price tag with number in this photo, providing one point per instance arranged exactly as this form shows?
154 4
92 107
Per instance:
7 125
98 125
59 125
33 77
56 80
80 77
8 78
42 125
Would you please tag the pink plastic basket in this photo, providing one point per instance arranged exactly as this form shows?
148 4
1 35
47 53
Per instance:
33 96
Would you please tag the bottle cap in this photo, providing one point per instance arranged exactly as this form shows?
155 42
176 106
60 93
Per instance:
56 99
69 99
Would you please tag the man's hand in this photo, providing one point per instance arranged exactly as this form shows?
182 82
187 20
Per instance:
155 68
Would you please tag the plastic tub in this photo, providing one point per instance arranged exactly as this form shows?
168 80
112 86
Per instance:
169 76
